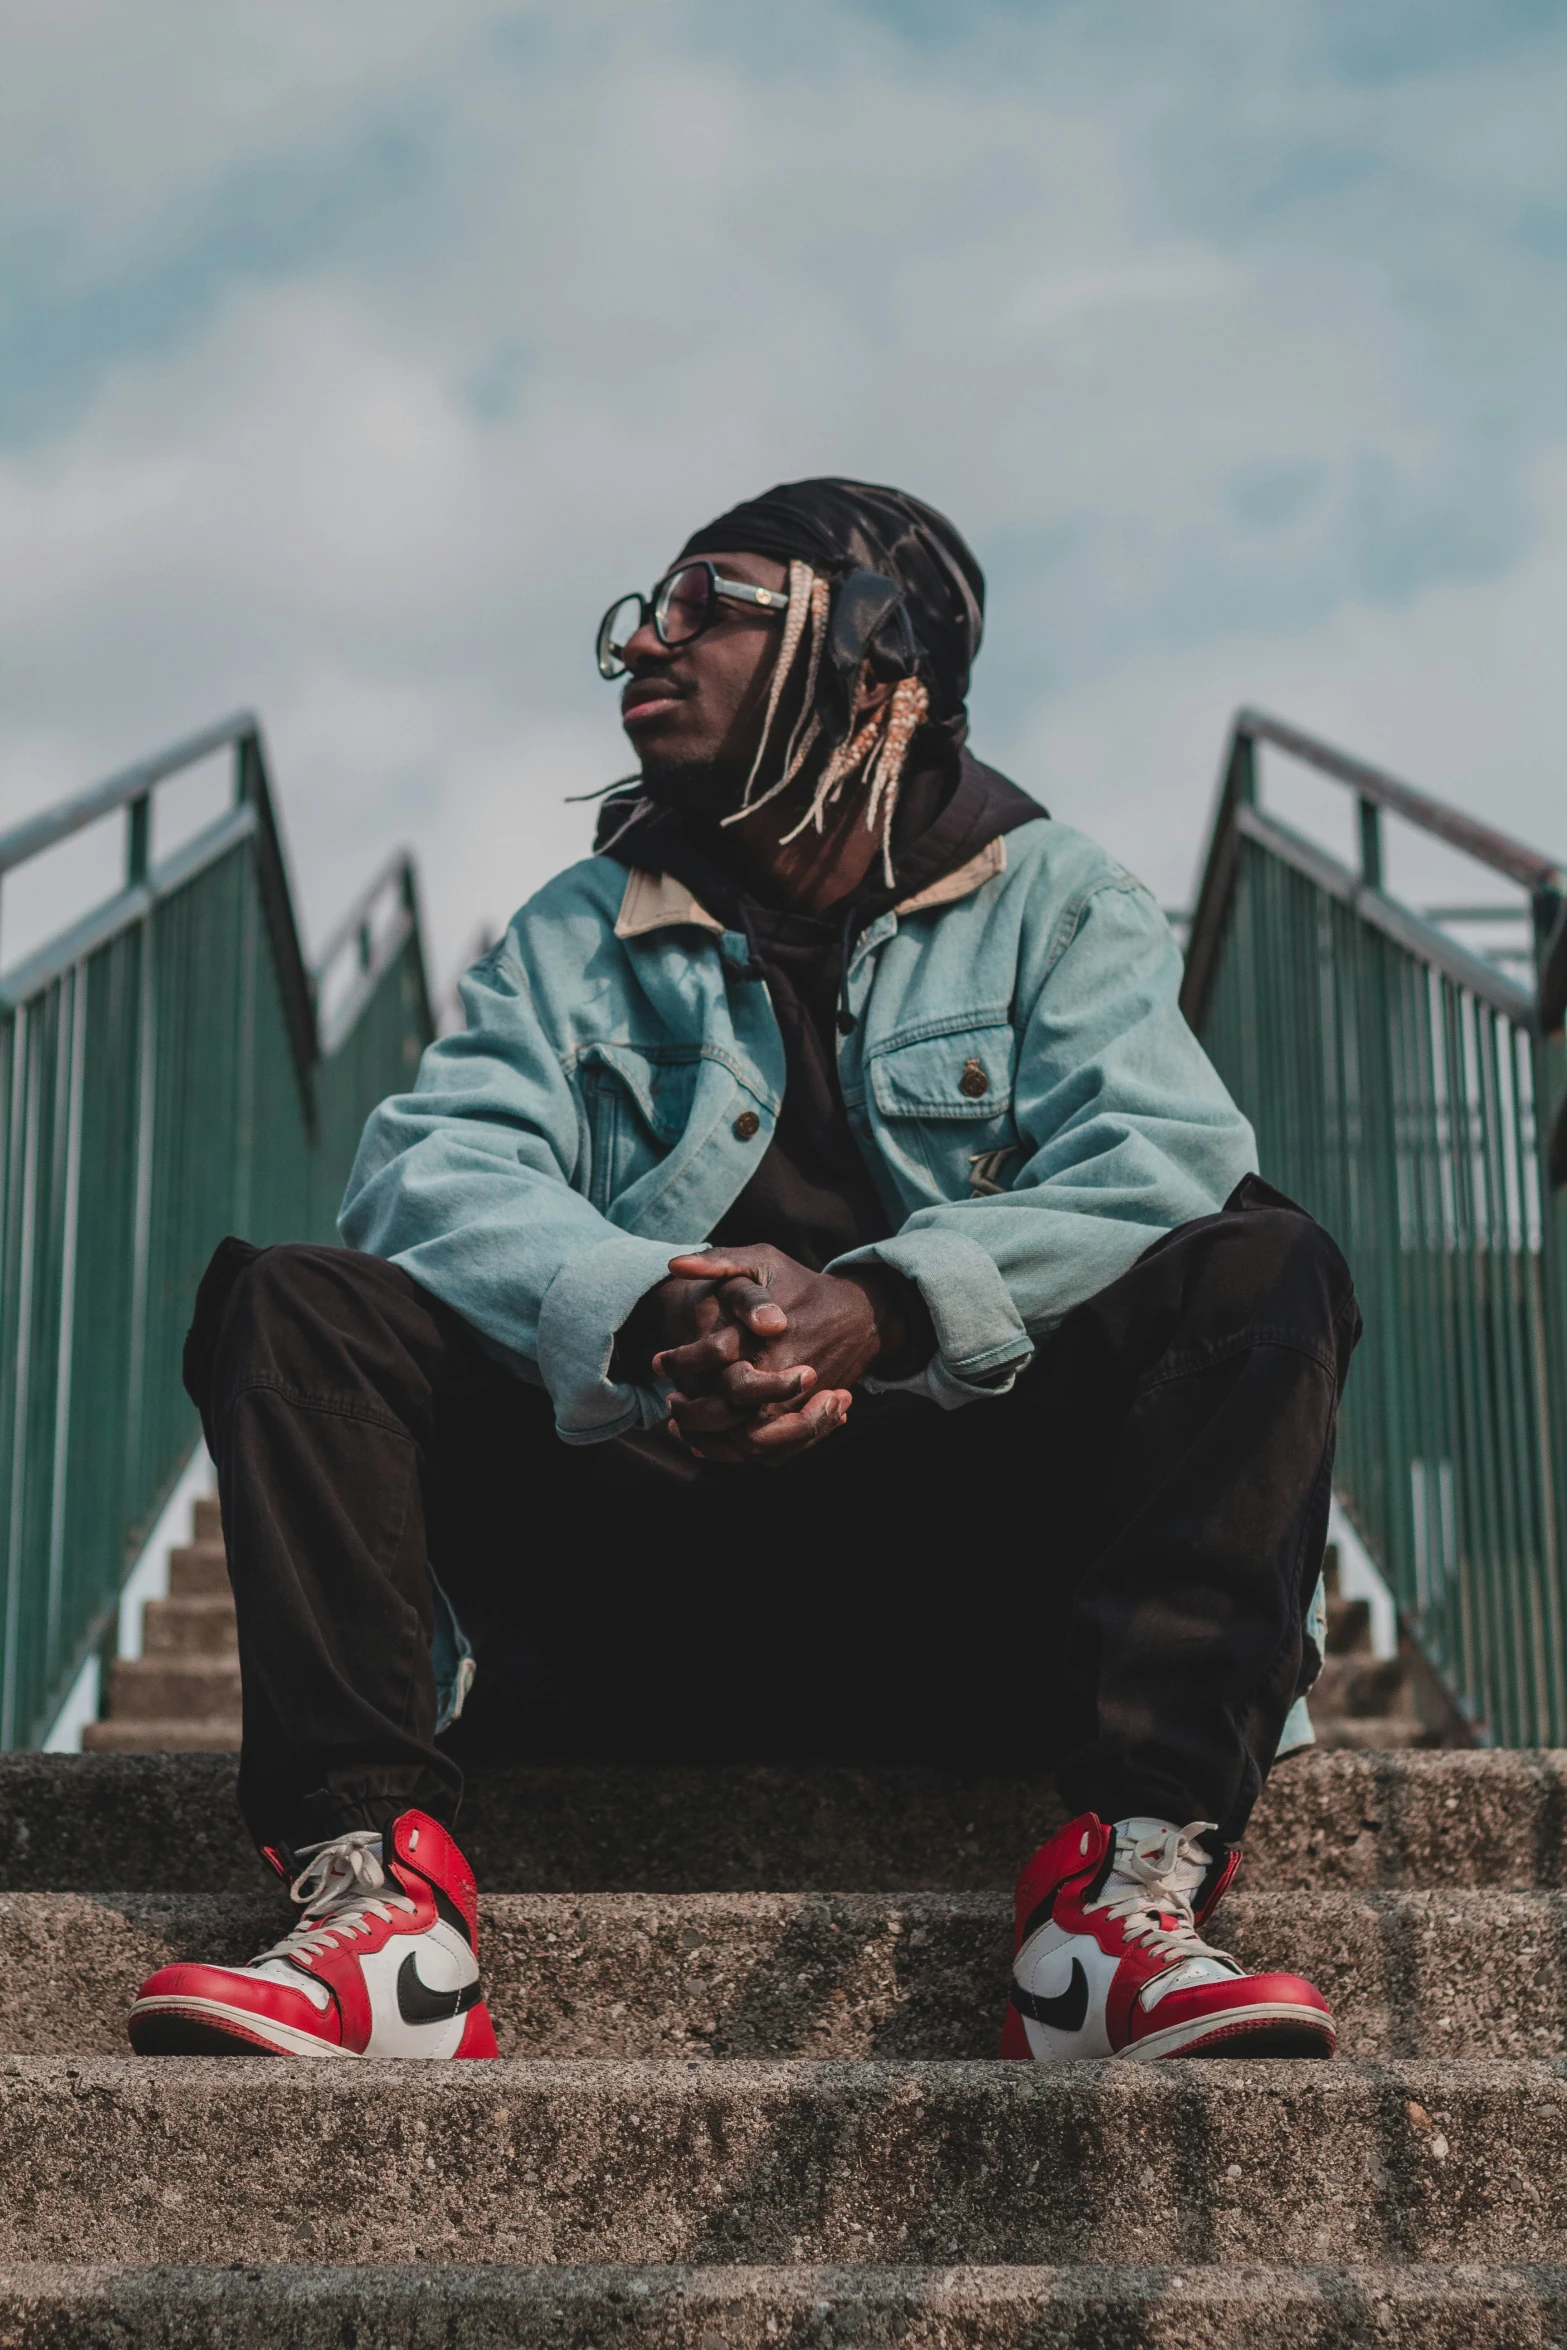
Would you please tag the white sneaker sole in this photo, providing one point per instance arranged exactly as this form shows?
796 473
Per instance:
1231 2023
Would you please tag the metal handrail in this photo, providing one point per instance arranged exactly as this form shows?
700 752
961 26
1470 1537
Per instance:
131 904
398 870
1387 915
168 1072
132 789
375 952
1413 1095
1499 850
37 833
1376 790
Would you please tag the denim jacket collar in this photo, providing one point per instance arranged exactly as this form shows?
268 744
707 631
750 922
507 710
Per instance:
657 901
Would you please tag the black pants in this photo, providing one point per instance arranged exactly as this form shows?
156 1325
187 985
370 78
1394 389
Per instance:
1105 1571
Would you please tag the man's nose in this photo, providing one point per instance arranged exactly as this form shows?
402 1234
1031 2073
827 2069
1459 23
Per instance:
642 647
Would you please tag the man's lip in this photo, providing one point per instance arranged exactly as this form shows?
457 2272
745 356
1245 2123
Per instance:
643 701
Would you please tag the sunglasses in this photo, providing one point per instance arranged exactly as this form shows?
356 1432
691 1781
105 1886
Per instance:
680 607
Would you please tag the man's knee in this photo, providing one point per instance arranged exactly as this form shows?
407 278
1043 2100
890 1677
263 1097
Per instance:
295 1277
1282 1267
270 1314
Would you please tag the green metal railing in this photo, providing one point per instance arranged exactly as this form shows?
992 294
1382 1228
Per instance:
1410 1093
166 1076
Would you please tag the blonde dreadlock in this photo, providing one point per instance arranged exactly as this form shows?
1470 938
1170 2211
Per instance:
877 750
802 610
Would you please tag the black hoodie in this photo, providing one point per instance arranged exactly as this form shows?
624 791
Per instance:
812 1195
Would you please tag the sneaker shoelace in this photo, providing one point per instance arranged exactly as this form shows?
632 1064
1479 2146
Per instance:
340 1890
1149 1892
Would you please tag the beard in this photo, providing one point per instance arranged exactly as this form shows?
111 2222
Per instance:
697 787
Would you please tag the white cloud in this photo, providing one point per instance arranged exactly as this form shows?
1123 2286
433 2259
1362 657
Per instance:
1463 691
1231 358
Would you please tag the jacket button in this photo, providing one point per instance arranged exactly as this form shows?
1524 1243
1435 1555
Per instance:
747 1124
975 1080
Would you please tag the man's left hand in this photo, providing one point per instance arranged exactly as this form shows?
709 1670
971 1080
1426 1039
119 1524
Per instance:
775 1375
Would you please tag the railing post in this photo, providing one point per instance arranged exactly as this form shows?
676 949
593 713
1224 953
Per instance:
138 833
1242 777
1380 1267
1550 1117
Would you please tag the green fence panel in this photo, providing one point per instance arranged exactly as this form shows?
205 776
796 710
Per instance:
1407 1091
164 1080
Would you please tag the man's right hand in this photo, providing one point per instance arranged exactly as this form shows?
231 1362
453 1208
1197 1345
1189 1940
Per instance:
704 1333
765 1353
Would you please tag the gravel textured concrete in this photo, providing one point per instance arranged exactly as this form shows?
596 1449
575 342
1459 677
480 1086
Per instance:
613 2308
190 1628
217 2161
213 1734
917 1975
167 1823
199 1570
157 1688
640 1924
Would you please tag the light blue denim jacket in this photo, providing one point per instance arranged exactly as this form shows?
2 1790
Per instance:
1031 1105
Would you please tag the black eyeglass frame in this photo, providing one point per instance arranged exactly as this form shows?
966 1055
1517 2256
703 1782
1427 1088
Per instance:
611 656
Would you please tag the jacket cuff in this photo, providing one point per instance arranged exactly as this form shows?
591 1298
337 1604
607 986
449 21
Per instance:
582 1309
981 1344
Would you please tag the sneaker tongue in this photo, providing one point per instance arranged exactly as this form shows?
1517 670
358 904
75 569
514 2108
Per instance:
331 1877
1144 1831
1151 1841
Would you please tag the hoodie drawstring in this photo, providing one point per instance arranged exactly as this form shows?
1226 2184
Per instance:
752 967
846 1020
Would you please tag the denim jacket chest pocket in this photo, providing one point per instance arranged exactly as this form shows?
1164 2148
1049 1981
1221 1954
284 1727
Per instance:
636 1104
944 1093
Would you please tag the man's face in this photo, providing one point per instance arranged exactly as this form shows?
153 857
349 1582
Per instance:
693 712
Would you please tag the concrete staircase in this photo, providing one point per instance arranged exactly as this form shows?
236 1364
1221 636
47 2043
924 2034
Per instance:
181 1695
736 2108
1377 1703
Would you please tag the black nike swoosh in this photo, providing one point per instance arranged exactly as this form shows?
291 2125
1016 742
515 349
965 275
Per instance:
1067 2012
418 2004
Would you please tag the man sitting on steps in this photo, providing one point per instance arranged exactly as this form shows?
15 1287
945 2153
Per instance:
835 1120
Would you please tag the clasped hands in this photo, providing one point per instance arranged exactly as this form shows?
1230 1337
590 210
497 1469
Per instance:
764 1354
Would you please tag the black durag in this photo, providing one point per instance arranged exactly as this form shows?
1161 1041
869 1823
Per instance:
844 527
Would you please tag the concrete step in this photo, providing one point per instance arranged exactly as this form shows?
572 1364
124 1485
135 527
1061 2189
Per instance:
1360 1685
731 1975
201 2160
168 1823
1374 1733
191 1629
157 1688
1349 1626
199 1570
207 1519
176 1736
1414 2306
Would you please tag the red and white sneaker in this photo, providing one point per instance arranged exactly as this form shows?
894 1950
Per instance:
382 1963
1110 1961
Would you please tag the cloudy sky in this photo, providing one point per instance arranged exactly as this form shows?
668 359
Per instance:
355 356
